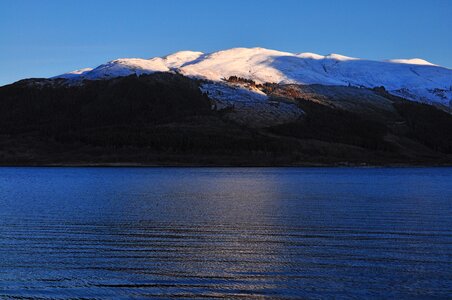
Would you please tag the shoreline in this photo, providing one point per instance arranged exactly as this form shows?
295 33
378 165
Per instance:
191 165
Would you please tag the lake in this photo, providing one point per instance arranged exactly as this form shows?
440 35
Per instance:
90 233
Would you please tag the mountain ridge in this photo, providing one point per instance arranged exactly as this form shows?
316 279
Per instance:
241 106
414 79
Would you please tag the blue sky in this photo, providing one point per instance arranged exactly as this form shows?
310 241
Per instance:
44 38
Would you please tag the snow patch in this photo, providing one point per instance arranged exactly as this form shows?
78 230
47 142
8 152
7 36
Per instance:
412 61
339 57
74 74
250 107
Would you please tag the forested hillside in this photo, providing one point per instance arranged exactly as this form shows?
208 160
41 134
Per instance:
165 119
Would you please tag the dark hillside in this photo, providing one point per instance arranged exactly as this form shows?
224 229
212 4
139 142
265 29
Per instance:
145 100
428 125
165 119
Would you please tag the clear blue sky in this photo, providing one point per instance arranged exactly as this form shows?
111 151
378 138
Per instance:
44 38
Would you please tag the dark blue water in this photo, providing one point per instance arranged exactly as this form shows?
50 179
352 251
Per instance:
96 233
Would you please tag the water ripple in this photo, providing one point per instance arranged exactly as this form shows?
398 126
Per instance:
225 233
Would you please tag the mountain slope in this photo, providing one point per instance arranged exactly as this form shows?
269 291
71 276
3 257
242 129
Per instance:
166 118
234 107
413 79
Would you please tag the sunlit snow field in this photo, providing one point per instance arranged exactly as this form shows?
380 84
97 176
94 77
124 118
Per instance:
413 79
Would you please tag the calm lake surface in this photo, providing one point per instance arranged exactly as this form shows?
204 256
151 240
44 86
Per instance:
225 233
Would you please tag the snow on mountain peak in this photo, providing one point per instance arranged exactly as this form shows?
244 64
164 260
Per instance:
339 57
414 79
127 66
310 55
178 59
75 73
252 63
81 71
412 61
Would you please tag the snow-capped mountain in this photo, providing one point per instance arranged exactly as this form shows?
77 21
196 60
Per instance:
414 79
